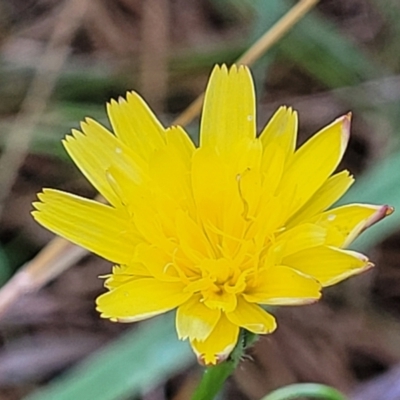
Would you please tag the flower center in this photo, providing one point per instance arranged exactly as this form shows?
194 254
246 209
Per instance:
219 283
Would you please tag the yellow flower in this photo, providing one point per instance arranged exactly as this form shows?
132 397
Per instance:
216 231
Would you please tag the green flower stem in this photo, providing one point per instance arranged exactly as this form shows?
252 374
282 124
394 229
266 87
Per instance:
310 390
213 379
215 376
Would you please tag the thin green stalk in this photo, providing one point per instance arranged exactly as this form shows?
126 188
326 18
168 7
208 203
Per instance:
310 390
213 380
214 377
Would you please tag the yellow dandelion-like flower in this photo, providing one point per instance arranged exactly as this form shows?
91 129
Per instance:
214 231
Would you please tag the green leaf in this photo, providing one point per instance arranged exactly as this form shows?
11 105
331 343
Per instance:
5 268
301 390
133 364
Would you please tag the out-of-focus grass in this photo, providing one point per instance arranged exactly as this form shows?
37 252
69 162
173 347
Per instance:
5 268
132 365
389 54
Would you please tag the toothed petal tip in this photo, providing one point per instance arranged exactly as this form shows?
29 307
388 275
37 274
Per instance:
220 69
208 360
233 69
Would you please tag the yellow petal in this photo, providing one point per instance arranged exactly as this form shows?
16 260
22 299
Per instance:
301 237
252 317
177 138
229 108
97 227
170 167
135 124
331 191
272 167
214 186
249 182
149 224
225 301
95 151
141 299
267 222
194 320
123 273
314 162
281 285
219 344
247 155
345 223
192 238
157 263
280 132
328 265
222 188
